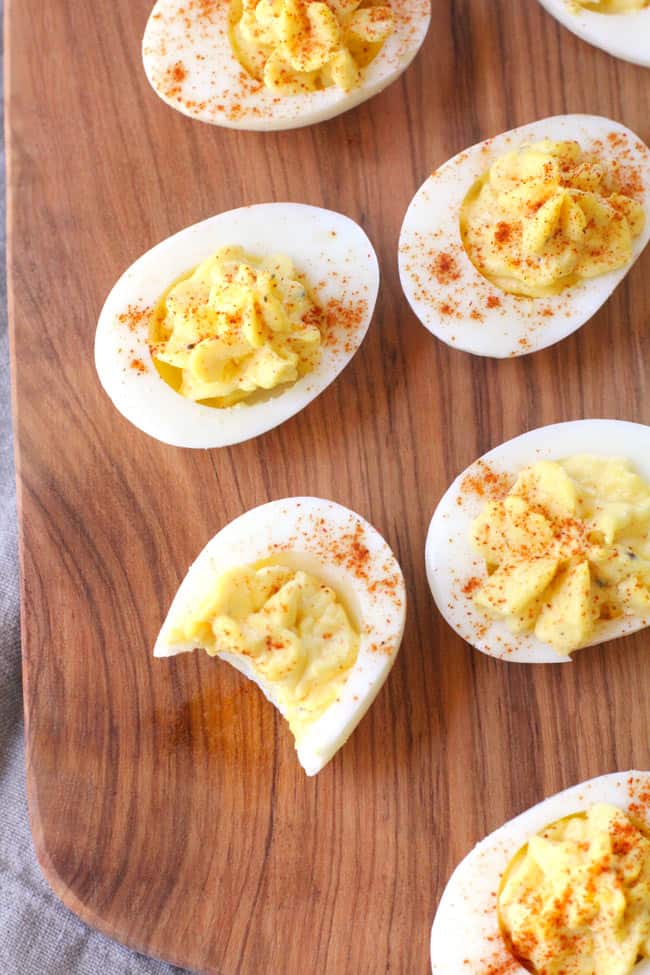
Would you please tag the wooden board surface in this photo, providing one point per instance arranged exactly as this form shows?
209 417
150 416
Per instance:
168 809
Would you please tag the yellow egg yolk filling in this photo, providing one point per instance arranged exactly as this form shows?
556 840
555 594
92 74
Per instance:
296 46
576 899
545 217
566 549
293 630
614 6
236 326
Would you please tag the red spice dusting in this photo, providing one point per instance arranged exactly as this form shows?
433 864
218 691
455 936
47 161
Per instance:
345 546
134 316
480 630
445 268
493 301
356 555
450 309
630 181
500 962
639 793
273 644
346 549
175 76
485 482
502 966
138 365
503 232
342 323
195 21
616 139
471 586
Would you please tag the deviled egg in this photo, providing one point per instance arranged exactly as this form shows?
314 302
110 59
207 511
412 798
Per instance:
278 64
542 546
307 600
230 327
515 243
564 887
620 27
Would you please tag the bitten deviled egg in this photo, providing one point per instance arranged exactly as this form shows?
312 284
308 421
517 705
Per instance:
620 27
232 326
278 64
563 889
515 243
542 546
306 599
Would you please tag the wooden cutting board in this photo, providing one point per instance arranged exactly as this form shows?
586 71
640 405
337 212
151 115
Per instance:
168 809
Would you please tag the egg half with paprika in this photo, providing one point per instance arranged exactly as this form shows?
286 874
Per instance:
232 326
278 64
564 887
619 27
542 546
306 599
517 242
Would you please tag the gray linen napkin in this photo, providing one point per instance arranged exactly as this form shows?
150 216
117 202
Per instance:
38 935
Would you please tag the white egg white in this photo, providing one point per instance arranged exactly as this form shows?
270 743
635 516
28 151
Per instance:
191 65
626 36
451 561
453 299
466 936
318 537
340 265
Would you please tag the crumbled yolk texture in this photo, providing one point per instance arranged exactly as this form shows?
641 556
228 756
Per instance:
296 46
576 899
235 326
614 6
567 548
292 628
545 217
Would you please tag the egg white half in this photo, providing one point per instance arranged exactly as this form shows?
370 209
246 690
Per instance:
626 36
451 560
316 536
465 936
189 61
453 299
333 253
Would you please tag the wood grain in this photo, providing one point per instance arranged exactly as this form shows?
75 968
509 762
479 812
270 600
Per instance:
167 807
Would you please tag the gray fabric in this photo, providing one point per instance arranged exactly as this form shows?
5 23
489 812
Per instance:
38 936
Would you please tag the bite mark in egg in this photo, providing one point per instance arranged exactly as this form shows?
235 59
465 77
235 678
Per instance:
343 550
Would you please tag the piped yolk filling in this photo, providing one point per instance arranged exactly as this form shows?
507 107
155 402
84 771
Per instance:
234 327
296 46
576 899
292 628
567 549
545 217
